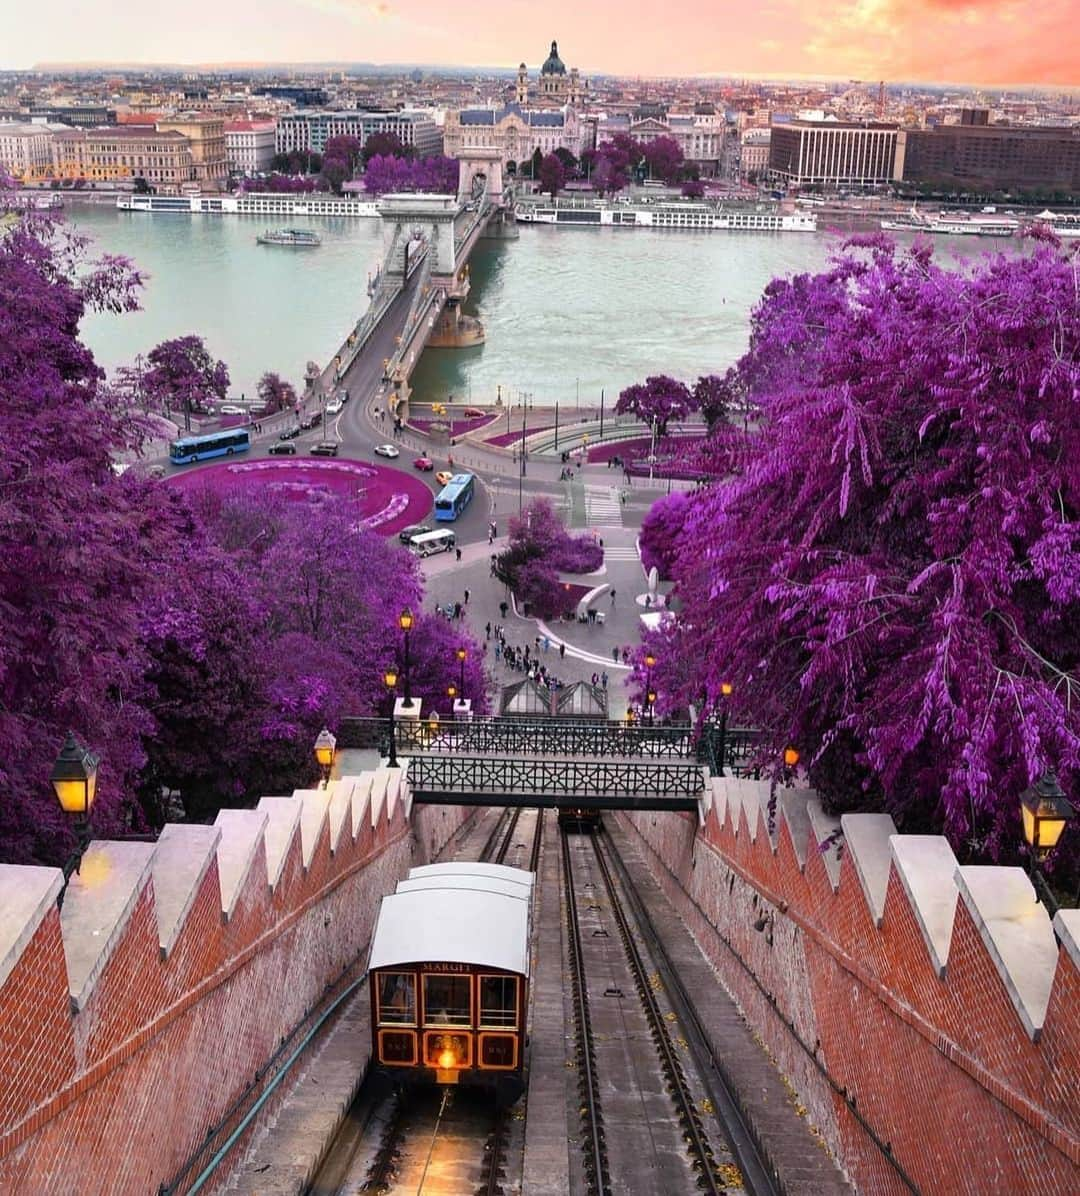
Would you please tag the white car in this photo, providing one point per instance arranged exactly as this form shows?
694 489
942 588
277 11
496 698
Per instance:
334 406
385 450
229 409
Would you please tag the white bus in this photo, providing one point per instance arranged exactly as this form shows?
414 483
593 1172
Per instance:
429 542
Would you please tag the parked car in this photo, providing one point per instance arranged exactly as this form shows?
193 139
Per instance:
290 433
424 464
231 409
443 477
325 448
414 529
474 412
282 450
334 406
310 421
386 450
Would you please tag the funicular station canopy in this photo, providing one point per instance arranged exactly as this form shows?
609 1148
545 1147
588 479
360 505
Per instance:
548 762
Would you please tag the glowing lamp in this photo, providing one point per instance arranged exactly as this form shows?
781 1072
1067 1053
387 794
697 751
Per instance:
1045 811
451 691
447 1059
791 756
405 620
650 697
726 688
650 660
325 745
390 678
74 777
461 654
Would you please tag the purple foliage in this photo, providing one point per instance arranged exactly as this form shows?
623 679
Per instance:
893 581
541 548
391 174
660 399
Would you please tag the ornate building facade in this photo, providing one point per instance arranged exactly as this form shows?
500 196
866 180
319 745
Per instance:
556 87
515 131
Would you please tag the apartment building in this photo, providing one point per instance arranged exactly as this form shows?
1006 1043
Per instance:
992 157
26 150
312 130
250 145
206 137
163 158
828 153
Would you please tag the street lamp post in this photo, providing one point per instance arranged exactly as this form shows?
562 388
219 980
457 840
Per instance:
405 622
1045 810
462 653
725 693
74 780
390 681
325 746
650 662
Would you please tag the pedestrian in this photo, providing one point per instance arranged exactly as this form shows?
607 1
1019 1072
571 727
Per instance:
451 461
466 597
612 597
503 608
626 474
544 643
457 553
604 679
615 655
487 631
595 679
648 601
457 610
536 642
498 650
562 651
626 655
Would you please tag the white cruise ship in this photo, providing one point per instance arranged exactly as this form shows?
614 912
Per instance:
674 215
952 224
252 203
1065 224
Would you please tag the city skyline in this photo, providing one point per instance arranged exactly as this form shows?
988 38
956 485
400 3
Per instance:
994 43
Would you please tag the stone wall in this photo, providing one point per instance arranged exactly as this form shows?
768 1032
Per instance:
133 1017
904 997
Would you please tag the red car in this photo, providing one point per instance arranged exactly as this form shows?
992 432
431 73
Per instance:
424 464
474 412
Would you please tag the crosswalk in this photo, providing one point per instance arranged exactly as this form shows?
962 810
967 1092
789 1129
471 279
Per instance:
626 552
602 506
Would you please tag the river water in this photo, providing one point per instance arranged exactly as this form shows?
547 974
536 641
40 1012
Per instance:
567 311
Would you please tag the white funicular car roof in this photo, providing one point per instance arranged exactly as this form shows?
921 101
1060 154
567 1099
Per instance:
474 868
452 925
482 884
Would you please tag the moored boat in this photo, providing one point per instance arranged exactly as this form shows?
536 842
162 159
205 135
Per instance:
1064 224
303 237
952 224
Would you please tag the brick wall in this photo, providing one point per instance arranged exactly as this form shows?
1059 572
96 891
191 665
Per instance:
131 1020
935 997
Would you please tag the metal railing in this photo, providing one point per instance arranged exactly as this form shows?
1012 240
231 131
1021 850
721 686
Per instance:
564 739
633 782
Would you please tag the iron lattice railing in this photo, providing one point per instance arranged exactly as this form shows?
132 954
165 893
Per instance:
532 737
578 779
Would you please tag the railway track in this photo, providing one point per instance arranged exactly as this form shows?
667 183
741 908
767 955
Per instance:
652 1136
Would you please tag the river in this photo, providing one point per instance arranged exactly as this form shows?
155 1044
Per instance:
567 311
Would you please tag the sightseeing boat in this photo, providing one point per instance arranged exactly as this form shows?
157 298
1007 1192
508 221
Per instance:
672 215
1065 224
952 224
305 238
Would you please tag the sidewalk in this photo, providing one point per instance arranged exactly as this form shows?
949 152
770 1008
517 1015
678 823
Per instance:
588 646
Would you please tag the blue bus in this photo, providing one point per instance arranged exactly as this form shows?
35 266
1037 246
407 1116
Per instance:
213 444
455 496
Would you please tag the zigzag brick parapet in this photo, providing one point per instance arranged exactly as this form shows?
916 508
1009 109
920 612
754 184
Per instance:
132 1018
906 997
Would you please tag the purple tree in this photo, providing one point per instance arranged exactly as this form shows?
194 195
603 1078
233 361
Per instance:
693 189
664 157
657 401
552 175
79 550
893 582
383 145
660 532
184 376
275 394
540 548
715 396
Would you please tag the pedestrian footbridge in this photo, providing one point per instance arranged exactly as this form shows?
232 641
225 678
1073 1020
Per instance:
545 762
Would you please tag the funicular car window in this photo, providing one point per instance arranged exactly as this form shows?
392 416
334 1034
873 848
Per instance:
447 1000
397 998
498 1002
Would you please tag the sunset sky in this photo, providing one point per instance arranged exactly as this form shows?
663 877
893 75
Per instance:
983 42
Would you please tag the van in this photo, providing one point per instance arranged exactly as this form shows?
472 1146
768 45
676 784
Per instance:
431 542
